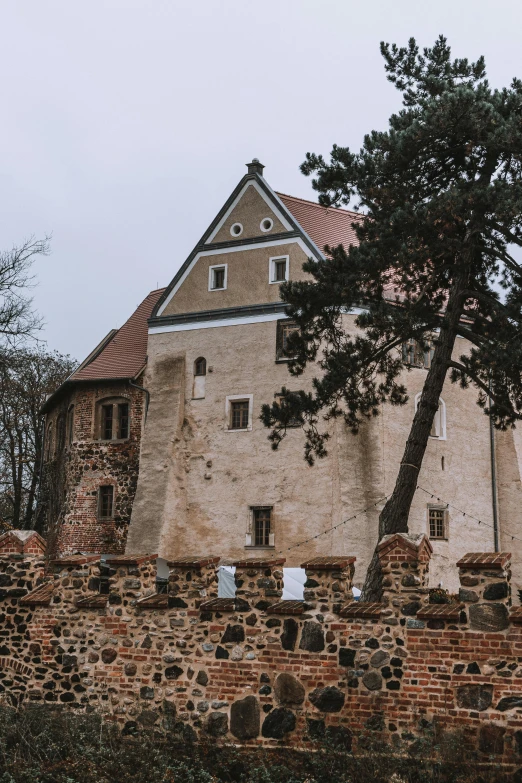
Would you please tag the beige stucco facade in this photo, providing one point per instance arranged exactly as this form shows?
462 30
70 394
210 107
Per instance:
199 480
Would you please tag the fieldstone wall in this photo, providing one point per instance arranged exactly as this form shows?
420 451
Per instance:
73 472
259 670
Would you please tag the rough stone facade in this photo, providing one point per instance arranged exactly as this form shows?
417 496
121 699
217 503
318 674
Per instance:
75 467
259 670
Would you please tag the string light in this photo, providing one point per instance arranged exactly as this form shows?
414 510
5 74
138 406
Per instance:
334 527
465 513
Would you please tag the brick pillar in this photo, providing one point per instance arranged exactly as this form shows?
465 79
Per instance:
259 582
328 585
486 589
22 563
75 577
405 564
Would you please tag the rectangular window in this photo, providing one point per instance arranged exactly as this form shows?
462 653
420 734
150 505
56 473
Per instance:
415 355
105 502
292 423
70 425
123 420
437 522
279 269
106 422
217 278
284 330
262 519
239 410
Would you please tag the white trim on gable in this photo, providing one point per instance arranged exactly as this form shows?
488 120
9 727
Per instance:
273 206
235 249
188 327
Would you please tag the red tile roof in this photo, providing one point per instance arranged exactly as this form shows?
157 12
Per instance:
126 352
324 225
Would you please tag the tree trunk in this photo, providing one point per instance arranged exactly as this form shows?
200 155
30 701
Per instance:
394 516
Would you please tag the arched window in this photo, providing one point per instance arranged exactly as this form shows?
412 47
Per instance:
200 371
60 432
112 419
49 441
438 428
200 366
70 424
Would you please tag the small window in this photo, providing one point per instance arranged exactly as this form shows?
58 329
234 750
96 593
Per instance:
262 524
236 230
239 414
49 442
414 355
284 330
60 432
438 427
123 420
107 419
105 501
70 425
200 366
437 520
266 225
279 269
217 278
113 420
294 422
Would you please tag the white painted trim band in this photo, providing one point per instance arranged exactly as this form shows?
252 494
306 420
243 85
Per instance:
249 319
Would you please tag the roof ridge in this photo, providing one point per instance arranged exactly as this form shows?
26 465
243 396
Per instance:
320 206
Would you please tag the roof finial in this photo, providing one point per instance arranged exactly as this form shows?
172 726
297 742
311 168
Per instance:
255 167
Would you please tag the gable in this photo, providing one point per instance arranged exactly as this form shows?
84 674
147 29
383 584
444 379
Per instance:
249 211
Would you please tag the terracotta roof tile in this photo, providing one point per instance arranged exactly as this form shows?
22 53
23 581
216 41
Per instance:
218 605
363 610
485 560
40 595
287 607
329 563
126 352
324 225
440 612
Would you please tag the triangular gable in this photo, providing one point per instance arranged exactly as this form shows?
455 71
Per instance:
208 242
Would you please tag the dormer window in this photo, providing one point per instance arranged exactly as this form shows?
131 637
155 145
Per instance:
279 269
113 420
217 278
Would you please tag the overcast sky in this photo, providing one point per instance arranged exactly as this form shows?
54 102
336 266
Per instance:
127 123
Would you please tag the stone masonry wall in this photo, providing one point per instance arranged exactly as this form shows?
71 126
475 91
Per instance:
73 472
259 670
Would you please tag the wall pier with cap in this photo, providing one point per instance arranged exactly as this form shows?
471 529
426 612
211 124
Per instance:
258 669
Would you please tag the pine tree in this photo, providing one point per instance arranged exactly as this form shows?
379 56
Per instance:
440 199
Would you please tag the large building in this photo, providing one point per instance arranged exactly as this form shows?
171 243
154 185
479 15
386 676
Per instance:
155 444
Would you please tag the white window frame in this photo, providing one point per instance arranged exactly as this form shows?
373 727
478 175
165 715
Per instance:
232 232
238 398
438 507
271 269
270 227
250 536
442 418
211 276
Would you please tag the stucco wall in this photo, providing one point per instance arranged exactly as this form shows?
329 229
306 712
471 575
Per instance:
250 211
220 474
247 284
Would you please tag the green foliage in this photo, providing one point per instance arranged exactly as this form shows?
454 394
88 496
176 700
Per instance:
45 745
440 200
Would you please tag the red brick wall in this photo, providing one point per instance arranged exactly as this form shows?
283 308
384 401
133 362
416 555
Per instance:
69 498
259 671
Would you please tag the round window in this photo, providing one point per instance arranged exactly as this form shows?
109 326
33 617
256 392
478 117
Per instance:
266 224
236 230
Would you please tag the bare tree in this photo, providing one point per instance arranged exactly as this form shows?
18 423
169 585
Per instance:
26 379
18 320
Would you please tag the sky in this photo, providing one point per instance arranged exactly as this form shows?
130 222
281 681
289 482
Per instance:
126 124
